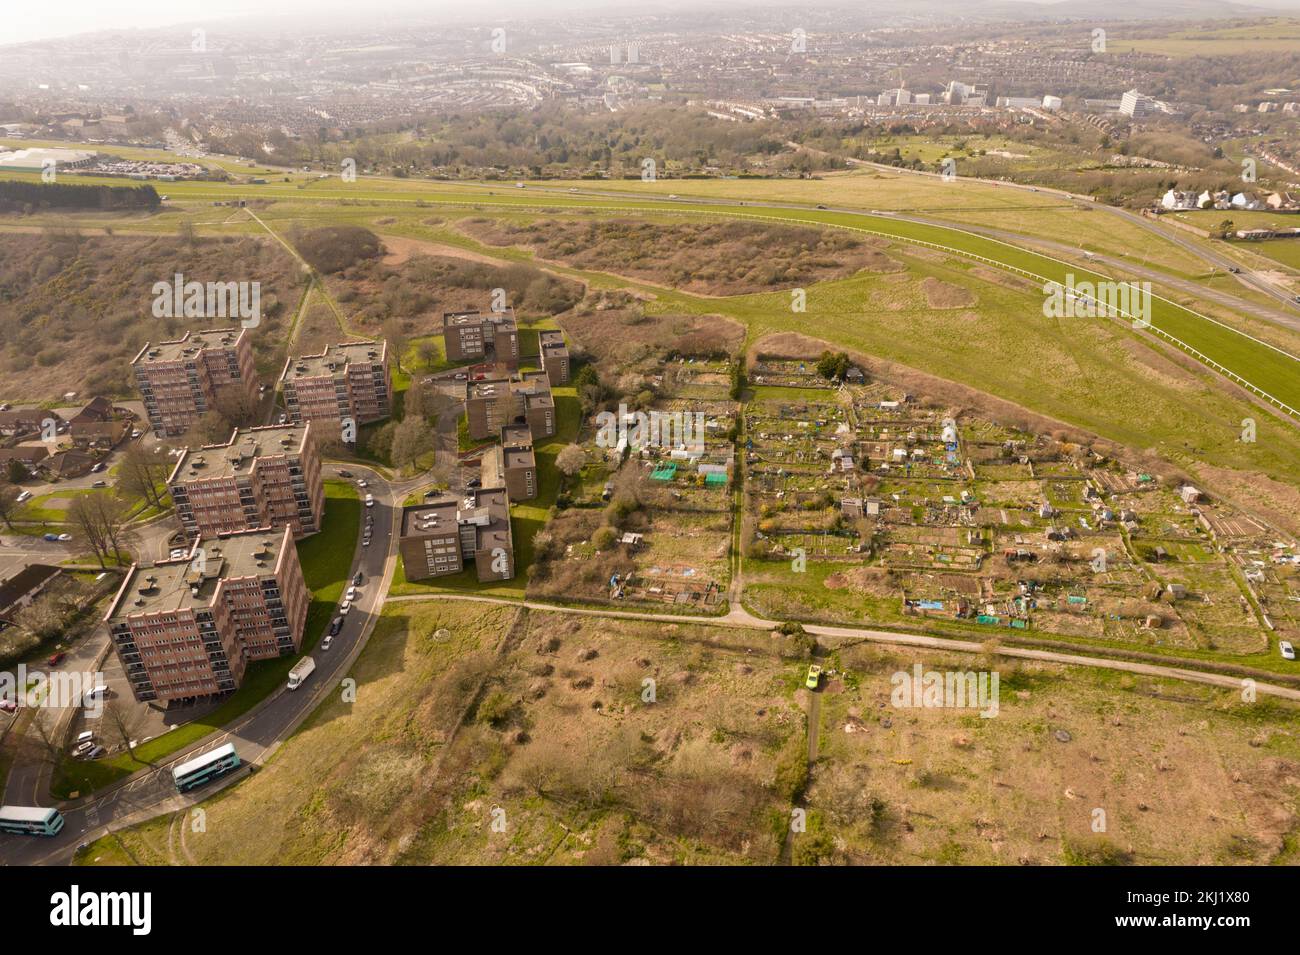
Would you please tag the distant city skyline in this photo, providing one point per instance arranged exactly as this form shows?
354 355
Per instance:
30 22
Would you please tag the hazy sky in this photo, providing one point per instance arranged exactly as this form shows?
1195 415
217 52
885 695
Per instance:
24 20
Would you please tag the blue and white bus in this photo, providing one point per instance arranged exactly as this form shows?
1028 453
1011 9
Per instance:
205 768
30 820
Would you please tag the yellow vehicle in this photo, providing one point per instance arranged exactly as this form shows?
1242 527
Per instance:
814 676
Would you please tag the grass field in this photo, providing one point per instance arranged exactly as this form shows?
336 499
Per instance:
590 741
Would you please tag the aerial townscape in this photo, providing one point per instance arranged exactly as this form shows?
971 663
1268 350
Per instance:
804 435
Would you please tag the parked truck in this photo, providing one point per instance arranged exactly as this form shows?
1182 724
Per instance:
301 670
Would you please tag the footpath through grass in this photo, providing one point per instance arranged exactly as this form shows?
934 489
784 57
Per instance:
326 559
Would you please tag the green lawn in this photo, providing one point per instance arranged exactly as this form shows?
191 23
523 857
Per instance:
326 559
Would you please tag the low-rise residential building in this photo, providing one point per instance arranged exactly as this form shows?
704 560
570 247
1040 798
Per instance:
347 382
25 586
443 537
182 380
190 627
482 336
554 356
21 421
261 477
493 403
512 464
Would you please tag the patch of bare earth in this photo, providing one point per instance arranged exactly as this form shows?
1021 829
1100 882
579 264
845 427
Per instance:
941 294
705 258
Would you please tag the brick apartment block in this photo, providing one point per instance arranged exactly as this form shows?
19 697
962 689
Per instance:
493 403
261 477
183 379
190 627
352 380
511 464
555 356
442 537
482 336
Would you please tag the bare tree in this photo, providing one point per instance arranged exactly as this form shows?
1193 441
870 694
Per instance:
45 734
9 505
140 473
102 519
571 459
395 335
124 723
412 439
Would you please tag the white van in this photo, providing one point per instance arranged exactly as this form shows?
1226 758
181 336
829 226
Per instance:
23 496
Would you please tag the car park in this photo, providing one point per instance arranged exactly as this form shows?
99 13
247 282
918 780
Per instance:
97 752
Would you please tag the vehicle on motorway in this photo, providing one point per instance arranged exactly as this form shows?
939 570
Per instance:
56 658
203 769
30 820
301 670
1285 648
814 676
